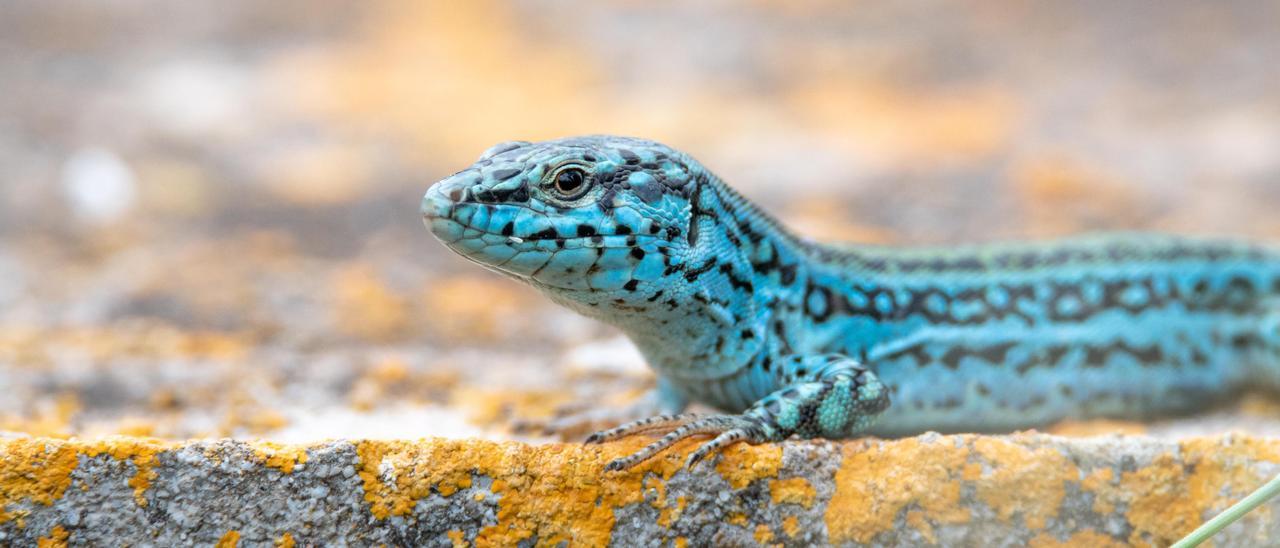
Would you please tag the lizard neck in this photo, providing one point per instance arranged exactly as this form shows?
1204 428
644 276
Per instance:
739 268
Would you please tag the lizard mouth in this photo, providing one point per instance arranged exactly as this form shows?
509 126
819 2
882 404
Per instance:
455 233
564 253
455 224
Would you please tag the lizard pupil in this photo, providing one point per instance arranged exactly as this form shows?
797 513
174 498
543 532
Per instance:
570 181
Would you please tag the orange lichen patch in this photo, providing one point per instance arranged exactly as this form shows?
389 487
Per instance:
141 452
555 492
1080 429
1082 538
457 537
790 526
917 521
1224 472
738 518
1161 507
367 308
1098 482
279 456
1018 480
763 534
749 463
792 491
35 471
229 540
1169 497
286 541
57 538
655 491
878 479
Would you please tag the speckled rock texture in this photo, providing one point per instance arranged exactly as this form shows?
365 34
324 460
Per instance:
209 228
1027 489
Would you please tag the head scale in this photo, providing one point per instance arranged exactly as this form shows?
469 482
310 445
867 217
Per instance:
591 218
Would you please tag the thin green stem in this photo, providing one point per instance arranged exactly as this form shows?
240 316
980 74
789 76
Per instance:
1230 515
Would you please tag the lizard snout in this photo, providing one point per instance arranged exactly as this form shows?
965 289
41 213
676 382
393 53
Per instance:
439 205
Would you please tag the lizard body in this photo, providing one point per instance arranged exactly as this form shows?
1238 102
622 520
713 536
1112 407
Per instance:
792 337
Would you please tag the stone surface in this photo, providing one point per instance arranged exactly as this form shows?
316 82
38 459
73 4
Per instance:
208 229
1026 489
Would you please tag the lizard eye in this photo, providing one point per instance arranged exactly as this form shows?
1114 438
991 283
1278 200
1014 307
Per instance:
570 182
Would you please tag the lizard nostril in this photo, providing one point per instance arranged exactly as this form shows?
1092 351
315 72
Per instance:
457 194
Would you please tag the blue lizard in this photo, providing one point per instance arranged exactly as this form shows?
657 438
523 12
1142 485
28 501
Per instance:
790 337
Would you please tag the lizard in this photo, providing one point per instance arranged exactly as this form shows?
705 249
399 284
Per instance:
787 336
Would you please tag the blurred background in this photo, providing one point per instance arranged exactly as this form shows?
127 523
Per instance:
208 210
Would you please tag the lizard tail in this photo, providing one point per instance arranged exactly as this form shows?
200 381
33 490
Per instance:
1269 333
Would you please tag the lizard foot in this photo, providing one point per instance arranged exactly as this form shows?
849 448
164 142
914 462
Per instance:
826 396
726 428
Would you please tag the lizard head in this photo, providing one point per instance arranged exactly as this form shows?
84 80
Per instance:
602 215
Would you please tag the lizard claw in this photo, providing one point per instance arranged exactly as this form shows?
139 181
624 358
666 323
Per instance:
642 426
726 428
721 441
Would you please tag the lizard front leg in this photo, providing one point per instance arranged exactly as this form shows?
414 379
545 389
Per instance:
826 396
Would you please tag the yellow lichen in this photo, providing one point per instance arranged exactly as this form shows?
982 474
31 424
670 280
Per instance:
656 493
744 464
917 521
1171 496
57 538
141 452
790 526
560 493
229 540
763 534
554 492
33 471
792 491
1092 539
286 541
1099 482
457 537
1022 481
279 456
877 480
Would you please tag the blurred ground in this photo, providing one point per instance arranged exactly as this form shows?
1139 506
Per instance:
208 211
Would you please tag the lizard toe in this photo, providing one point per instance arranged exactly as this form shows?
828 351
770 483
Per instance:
726 428
643 426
